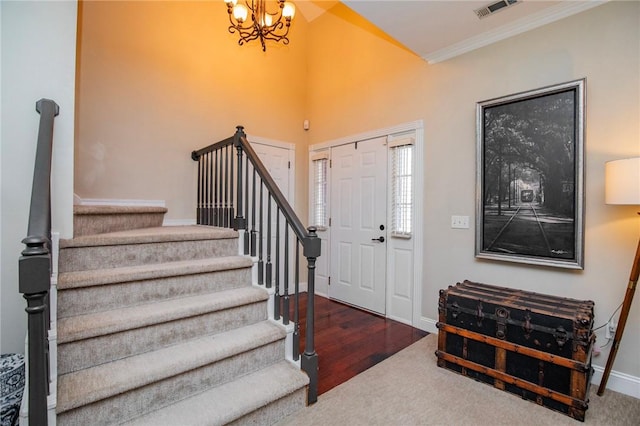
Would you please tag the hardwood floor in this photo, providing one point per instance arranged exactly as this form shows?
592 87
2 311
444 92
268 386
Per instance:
350 340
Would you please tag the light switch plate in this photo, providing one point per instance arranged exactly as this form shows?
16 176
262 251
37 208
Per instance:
460 222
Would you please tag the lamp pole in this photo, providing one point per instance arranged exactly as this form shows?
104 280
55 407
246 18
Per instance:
624 314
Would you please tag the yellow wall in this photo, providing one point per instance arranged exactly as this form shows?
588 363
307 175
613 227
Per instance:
157 80
366 83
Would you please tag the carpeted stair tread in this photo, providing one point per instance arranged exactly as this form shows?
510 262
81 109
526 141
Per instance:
151 235
230 401
97 383
93 220
111 209
78 279
107 322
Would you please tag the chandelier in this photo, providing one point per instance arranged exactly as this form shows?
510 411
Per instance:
264 24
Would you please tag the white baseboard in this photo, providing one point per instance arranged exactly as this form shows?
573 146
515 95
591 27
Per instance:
427 324
618 382
178 222
319 293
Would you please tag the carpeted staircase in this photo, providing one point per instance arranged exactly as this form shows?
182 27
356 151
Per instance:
162 326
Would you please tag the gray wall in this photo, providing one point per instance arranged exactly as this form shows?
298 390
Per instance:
38 61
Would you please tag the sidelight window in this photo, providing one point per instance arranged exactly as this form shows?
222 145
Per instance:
319 170
402 152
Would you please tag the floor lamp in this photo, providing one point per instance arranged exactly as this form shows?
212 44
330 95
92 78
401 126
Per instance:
622 186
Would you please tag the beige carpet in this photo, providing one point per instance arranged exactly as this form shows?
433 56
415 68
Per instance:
409 389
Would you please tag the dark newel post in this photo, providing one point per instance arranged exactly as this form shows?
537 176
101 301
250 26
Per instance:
240 221
195 157
309 361
34 282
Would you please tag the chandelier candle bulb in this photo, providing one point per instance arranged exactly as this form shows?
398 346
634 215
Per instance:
288 10
240 12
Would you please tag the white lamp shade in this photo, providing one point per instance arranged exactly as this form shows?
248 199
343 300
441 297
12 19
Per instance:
622 181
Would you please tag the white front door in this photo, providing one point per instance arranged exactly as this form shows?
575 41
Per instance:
358 224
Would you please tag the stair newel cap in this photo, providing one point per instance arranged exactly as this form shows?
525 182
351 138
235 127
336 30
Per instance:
312 243
237 137
43 103
36 245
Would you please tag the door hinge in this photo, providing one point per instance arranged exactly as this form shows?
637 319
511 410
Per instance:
289 165
329 281
330 163
356 144
329 221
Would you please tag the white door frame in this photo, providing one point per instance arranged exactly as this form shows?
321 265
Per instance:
291 147
418 320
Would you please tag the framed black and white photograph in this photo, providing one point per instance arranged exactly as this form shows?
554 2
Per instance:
530 184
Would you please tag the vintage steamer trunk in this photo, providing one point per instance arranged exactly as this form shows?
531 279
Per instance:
532 345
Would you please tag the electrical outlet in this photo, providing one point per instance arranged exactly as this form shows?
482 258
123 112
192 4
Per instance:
610 329
460 222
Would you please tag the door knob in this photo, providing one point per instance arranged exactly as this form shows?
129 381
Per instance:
381 239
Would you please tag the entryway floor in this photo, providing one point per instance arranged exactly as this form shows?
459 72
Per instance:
349 340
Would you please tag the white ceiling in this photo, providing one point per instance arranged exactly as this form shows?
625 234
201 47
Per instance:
439 30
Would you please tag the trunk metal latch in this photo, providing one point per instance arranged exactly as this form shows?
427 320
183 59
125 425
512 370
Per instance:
501 323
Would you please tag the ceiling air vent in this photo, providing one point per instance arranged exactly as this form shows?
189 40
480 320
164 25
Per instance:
494 7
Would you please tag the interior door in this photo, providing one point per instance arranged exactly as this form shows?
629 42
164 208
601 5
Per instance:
277 161
358 224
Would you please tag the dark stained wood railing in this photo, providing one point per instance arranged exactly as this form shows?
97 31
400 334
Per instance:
236 190
34 267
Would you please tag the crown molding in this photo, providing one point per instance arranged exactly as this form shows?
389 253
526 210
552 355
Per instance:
546 16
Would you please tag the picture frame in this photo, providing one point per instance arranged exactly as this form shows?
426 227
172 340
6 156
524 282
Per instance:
530 177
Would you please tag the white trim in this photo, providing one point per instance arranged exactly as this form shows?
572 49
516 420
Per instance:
405 127
546 16
178 222
400 141
427 324
322 294
618 382
271 142
119 202
418 229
